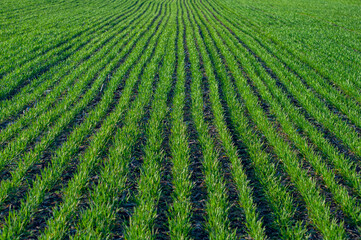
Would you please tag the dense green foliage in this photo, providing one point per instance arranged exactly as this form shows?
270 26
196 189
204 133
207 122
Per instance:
180 119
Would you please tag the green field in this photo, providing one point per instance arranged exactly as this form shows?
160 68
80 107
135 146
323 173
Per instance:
180 119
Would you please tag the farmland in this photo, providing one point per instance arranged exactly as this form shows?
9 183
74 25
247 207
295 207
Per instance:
180 119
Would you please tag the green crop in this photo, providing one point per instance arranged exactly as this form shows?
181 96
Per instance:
180 119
